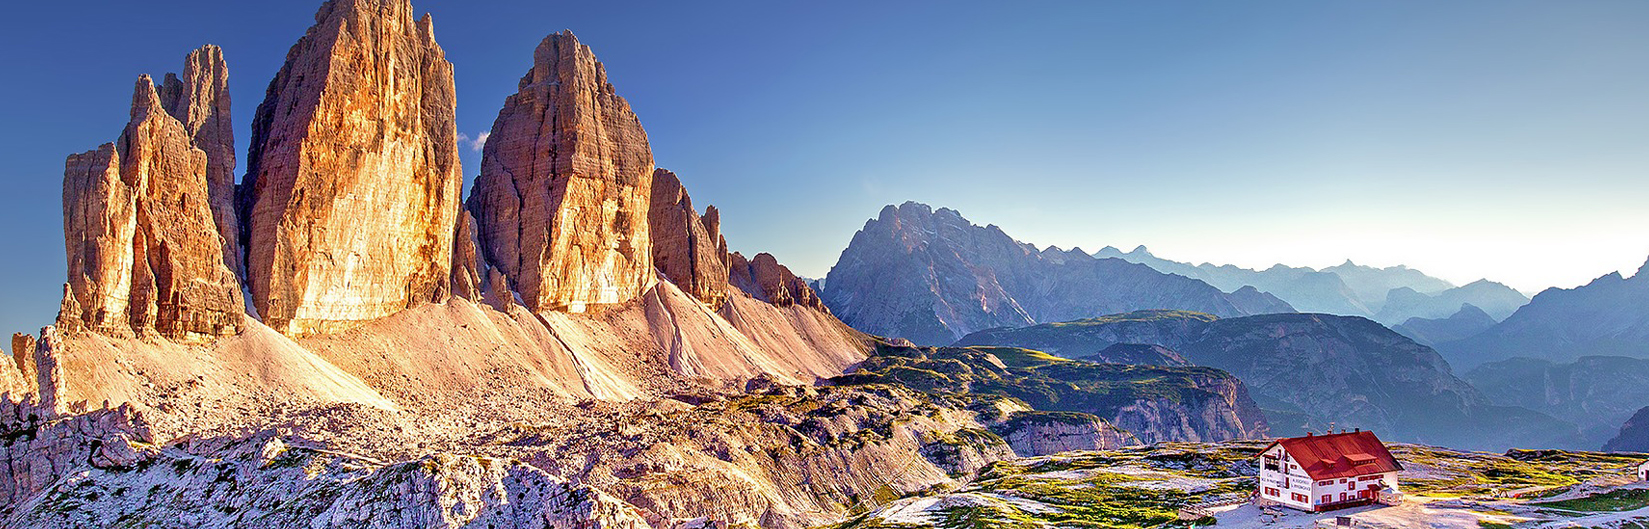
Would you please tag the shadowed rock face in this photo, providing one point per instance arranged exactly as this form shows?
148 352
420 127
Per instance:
353 183
686 248
1634 434
1597 393
566 176
143 245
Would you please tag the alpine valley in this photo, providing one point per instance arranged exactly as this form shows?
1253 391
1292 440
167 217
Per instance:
328 330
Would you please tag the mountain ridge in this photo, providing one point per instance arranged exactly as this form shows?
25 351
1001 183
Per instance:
932 276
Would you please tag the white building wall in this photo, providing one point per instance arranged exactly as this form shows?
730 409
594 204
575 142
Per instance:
1287 480
1333 488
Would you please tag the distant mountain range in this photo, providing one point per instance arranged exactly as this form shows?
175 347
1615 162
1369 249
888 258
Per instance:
1598 393
1308 371
931 276
1609 316
1389 295
1465 323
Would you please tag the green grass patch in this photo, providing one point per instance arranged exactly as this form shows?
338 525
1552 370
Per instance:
1613 501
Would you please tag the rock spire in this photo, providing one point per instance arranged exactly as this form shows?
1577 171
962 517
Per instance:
566 175
353 180
143 245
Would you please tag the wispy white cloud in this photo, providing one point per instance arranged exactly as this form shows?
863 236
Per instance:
475 143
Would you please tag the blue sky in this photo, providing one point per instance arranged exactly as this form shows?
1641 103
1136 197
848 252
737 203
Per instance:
1499 139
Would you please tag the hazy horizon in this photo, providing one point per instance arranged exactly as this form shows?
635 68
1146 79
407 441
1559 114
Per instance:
1498 140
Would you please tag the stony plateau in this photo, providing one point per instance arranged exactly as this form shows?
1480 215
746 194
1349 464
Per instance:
566 178
352 185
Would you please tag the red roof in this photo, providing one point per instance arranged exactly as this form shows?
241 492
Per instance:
1340 455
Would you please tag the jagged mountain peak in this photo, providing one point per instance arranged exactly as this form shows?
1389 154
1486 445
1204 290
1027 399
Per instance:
932 282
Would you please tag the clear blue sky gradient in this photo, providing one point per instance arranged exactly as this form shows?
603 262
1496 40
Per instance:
1502 139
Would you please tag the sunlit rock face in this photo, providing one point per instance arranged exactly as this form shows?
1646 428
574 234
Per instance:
200 101
353 181
143 245
566 177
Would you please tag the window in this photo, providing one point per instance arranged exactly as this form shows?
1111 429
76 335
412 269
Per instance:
1325 483
1272 464
1326 499
1301 498
1272 492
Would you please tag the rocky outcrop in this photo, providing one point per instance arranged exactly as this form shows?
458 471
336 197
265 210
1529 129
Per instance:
22 378
686 248
353 184
200 100
1045 433
931 276
767 280
468 268
1633 436
48 371
143 245
1138 353
566 176
42 447
791 458
1151 403
262 482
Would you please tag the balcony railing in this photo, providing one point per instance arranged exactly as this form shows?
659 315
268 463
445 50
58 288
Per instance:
1347 504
